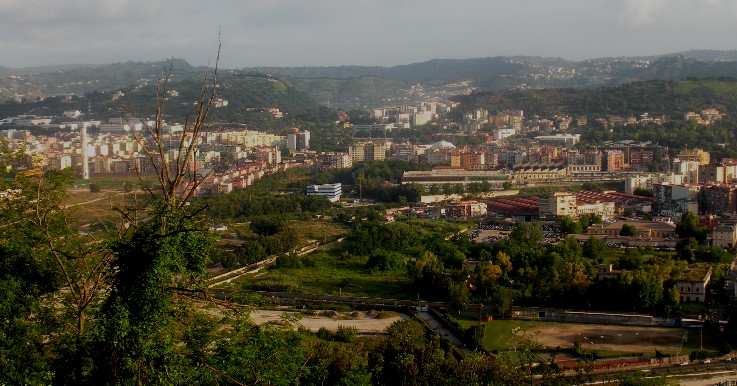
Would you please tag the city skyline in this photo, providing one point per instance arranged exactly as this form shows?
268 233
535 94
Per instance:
330 32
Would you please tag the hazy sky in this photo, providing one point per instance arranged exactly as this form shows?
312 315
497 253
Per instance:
346 32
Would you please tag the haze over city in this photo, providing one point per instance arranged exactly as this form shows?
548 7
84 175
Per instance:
332 32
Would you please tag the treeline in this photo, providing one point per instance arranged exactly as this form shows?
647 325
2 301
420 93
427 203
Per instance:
408 356
241 204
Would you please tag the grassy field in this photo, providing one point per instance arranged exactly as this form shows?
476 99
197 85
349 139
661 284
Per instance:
335 275
90 208
319 229
113 182
499 334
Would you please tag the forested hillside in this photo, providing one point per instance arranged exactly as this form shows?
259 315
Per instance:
672 98
242 92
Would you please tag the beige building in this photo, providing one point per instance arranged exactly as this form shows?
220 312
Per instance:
725 235
558 204
645 229
541 173
615 160
250 138
692 284
702 157
604 209
465 210
367 151
717 173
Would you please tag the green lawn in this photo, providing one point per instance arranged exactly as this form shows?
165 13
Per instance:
498 334
335 275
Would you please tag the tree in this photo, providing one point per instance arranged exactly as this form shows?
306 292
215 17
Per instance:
568 226
458 294
387 260
593 247
528 233
24 279
157 263
644 192
402 201
266 225
689 227
628 230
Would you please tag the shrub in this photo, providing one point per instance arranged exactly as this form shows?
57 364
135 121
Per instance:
346 334
385 314
387 261
288 261
324 334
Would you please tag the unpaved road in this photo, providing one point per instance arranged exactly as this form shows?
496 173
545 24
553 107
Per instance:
364 323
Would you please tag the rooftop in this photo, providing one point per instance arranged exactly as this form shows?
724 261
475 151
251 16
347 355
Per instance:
695 274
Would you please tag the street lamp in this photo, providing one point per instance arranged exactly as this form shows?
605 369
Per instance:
637 335
701 333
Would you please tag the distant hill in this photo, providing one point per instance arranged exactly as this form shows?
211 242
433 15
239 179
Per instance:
362 86
710 55
242 92
354 92
436 69
80 79
672 98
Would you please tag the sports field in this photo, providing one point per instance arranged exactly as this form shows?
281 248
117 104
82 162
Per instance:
508 334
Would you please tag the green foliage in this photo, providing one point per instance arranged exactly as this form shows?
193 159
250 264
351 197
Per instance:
639 380
135 340
409 357
689 227
386 260
628 230
23 280
644 192
527 233
593 186
369 236
568 226
246 203
589 219
248 252
260 355
266 226
288 260
346 334
593 247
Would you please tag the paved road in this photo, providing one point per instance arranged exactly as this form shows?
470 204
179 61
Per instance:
442 331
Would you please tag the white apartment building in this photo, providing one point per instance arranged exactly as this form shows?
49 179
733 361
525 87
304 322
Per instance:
331 191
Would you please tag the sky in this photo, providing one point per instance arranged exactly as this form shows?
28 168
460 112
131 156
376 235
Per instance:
292 33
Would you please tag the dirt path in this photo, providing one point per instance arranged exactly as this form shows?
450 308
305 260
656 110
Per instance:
362 321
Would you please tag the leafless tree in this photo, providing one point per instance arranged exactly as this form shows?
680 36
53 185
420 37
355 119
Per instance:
178 177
